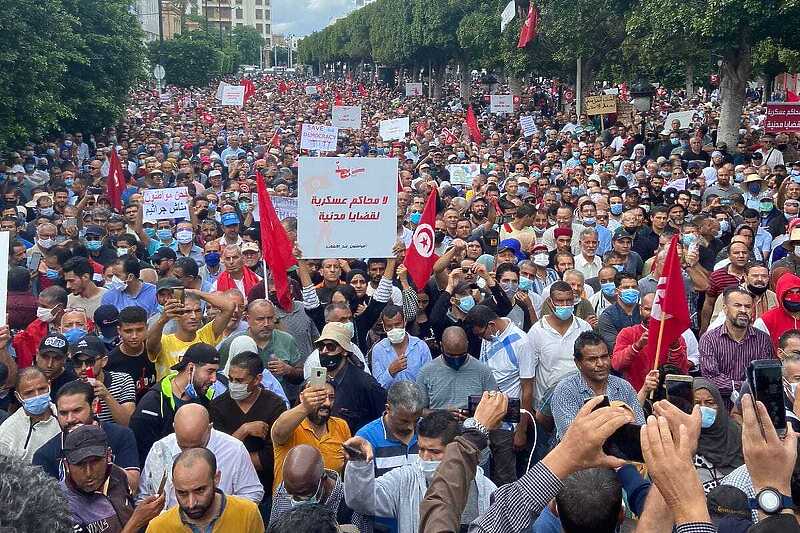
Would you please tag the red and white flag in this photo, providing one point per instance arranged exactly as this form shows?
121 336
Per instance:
420 256
275 245
472 125
449 138
249 89
115 183
528 30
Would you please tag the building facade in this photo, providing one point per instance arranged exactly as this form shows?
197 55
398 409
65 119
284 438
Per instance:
230 14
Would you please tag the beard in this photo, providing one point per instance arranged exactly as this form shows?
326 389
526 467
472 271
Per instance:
320 416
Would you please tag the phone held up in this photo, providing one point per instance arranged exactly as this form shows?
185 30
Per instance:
765 378
626 442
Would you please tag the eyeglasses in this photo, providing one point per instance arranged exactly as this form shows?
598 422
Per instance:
80 363
328 346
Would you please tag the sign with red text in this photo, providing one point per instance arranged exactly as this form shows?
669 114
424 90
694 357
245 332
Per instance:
319 137
233 95
782 117
346 207
165 204
413 89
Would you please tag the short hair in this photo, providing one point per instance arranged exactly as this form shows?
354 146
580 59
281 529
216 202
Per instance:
309 517
333 306
590 500
130 265
439 424
560 286
480 316
376 261
196 454
249 361
754 264
574 272
405 395
188 265
25 492
133 314
587 338
391 311
462 288
619 277
735 290
55 295
506 267
19 279
76 387
526 210
128 238
749 213
28 373
788 335
79 266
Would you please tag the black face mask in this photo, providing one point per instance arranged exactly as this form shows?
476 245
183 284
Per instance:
454 362
758 291
792 307
330 362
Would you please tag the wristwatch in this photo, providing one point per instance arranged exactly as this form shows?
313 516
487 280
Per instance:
770 501
471 423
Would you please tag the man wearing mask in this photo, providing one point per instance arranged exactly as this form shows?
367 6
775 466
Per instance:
184 235
782 317
212 267
52 302
756 282
399 356
98 252
45 239
35 423
127 289
623 313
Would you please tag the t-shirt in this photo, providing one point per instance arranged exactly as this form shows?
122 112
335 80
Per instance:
719 280
172 348
141 370
121 387
510 357
90 304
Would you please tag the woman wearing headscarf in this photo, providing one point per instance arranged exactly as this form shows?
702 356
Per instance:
719 449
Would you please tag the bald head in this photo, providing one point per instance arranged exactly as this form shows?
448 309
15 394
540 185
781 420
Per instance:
454 340
302 470
192 426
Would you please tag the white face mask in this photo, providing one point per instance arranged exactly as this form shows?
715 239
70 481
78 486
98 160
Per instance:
428 468
45 315
238 391
541 260
396 335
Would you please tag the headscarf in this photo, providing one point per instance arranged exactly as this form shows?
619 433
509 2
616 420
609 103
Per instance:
721 444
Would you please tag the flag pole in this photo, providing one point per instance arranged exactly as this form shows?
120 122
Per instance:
658 349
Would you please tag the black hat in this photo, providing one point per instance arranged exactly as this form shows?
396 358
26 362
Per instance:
54 342
106 317
84 442
170 282
95 230
728 505
90 346
163 253
199 354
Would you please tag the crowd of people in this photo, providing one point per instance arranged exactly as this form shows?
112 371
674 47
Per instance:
150 379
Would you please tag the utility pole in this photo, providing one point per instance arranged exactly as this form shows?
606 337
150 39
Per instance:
160 30
289 49
578 88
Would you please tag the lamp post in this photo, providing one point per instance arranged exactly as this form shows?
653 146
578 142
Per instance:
642 94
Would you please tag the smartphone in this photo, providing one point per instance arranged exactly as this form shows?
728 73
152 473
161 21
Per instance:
679 391
94 190
319 376
765 377
626 443
179 295
512 412
354 453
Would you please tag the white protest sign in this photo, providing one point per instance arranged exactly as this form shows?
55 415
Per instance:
319 137
233 95
414 89
285 206
394 129
501 103
613 91
528 125
462 174
165 204
346 116
311 90
165 97
685 118
4 239
507 15
346 207
220 89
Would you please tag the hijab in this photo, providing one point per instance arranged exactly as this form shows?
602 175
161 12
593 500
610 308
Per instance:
720 444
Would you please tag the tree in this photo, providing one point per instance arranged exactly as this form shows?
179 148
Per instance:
191 59
249 42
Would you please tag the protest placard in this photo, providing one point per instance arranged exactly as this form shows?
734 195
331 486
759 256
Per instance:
346 207
165 204
462 174
782 118
311 90
233 95
394 129
220 89
346 116
165 97
319 137
685 118
501 103
605 104
414 89
285 207
528 125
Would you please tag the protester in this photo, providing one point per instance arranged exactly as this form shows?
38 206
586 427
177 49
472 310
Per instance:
35 423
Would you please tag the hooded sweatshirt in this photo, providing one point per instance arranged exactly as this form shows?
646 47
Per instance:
778 321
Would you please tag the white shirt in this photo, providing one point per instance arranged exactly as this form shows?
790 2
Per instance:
510 356
19 440
600 302
549 239
552 353
692 346
237 474
589 270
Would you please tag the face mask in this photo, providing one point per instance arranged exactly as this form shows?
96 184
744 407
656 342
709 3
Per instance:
116 284
629 296
238 391
616 209
510 287
465 303
414 149
396 335
184 236
190 390
36 405
68 182
454 362
563 312
709 415
793 388
541 260
754 188
675 141
415 218
74 335
46 211
619 267
164 234
150 232
52 274
43 314
329 362
608 288
766 207
522 190
758 291
45 243
428 468
724 226
792 307
351 329
525 283
93 246
689 239
212 259
589 221
122 252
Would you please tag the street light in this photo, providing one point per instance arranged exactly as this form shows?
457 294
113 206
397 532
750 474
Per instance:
642 94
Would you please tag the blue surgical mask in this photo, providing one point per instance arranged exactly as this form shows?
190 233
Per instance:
465 303
629 296
709 415
563 312
36 405
675 141
525 283
754 188
164 234
52 274
616 209
608 288
414 218
619 268
689 239
212 259
724 226
74 335
589 221
68 182
93 246
46 211
190 390
150 232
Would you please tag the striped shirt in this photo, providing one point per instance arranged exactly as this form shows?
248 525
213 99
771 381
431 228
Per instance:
389 452
719 280
723 360
120 386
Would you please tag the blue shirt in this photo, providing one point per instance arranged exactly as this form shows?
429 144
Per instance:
195 253
146 299
417 354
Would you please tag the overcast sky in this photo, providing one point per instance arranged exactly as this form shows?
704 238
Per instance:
302 17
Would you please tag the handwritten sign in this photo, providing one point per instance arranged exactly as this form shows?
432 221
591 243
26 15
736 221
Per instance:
233 95
782 117
319 137
165 97
346 116
346 206
501 103
605 104
311 90
285 207
463 174
394 129
165 204
528 125
414 89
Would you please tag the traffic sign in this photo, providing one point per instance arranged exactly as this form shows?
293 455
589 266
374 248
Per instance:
159 72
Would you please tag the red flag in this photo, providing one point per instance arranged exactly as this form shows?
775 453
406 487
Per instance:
276 140
422 127
449 138
420 256
528 31
362 91
115 182
399 183
282 88
338 99
670 315
249 89
472 125
792 96
275 245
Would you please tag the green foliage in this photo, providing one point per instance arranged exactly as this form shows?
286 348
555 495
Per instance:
193 59
248 43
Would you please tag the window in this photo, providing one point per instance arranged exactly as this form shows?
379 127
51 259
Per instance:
260 27
258 2
267 29
239 13
259 14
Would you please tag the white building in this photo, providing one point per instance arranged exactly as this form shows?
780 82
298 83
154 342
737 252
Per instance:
147 13
233 13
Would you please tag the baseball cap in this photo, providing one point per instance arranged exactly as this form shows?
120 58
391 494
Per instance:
250 247
170 282
513 245
214 172
90 346
694 164
728 506
106 317
163 253
95 230
55 342
338 333
83 442
230 219
199 354
621 233
539 248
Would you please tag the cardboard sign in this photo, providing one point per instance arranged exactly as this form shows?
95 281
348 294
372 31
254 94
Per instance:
501 103
507 15
394 129
165 204
605 104
685 118
233 95
319 137
462 174
347 206
346 116
528 125
414 89
311 90
782 118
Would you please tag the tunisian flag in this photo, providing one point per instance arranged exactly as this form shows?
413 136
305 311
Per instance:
472 125
249 89
528 30
115 183
792 96
670 315
420 256
275 246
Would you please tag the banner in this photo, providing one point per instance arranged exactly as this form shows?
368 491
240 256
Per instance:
319 137
285 207
507 15
782 118
462 174
346 116
501 103
414 89
605 104
346 207
528 125
165 97
394 129
165 204
311 90
685 118
233 95
220 89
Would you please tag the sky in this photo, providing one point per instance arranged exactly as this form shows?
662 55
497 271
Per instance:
301 17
